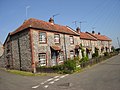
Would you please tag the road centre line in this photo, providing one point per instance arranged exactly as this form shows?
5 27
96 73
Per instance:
36 86
46 86
56 78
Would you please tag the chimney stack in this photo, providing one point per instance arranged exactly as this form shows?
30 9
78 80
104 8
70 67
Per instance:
51 20
93 32
98 33
78 30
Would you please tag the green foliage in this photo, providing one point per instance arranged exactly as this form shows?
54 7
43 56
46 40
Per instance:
69 66
106 54
84 59
113 48
94 55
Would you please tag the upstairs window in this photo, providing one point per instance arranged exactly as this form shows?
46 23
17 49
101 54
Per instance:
42 37
42 59
57 38
71 40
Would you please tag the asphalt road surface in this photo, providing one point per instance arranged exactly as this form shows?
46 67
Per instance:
103 76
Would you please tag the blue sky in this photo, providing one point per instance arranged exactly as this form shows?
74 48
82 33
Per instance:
104 15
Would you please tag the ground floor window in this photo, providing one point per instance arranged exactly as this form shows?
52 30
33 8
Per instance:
42 59
71 54
61 57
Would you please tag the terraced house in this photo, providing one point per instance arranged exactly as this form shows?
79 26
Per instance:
88 43
38 43
104 43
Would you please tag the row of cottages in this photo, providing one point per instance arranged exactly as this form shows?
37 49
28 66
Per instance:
104 44
38 43
92 41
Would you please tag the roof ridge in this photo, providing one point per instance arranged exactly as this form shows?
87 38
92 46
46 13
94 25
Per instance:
71 29
40 24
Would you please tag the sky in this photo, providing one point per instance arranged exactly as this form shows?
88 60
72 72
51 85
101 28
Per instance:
99 15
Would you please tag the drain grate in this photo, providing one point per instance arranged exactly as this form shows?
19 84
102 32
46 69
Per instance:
65 85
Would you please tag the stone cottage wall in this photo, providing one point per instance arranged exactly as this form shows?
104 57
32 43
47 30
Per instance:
45 48
21 49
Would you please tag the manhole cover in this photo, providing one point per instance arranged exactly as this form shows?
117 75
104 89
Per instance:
65 85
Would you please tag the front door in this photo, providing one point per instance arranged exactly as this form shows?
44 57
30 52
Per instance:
54 57
76 52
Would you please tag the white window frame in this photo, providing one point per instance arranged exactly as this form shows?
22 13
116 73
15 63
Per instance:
42 59
71 40
61 57
57 38
42 37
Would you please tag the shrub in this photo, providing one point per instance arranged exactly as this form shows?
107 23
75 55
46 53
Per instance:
106 54
70 65
94 55
84 59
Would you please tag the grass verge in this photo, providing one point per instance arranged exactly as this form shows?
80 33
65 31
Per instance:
24 73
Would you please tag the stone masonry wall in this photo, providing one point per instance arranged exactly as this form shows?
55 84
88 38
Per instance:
45 48
23 52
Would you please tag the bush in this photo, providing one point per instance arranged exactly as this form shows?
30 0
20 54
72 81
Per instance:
70 65
94 55
84 59
58 67
106 54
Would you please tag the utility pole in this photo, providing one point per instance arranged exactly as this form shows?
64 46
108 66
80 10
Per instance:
27 7
118 42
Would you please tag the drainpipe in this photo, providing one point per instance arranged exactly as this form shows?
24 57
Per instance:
19 53
65 47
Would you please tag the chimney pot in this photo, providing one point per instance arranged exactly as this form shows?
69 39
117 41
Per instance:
93 32
98 33
51 20
78 30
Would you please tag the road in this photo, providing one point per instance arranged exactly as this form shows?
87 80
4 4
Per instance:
103 76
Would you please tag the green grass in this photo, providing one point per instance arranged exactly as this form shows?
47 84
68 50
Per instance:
24 73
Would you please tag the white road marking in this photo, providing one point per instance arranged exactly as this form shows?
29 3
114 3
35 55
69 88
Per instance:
51 82
46 86
57 79
64 76
56 76
50 79
36 86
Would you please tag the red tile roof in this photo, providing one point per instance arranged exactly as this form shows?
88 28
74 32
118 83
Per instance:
101 37
39 24
86 36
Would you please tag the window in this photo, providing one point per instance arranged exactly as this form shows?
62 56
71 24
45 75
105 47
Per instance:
57 38
42 59
71 40
61 57
42 37
71 54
